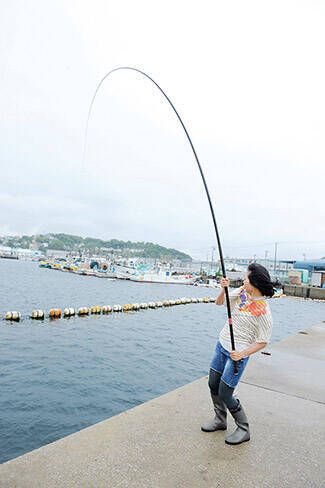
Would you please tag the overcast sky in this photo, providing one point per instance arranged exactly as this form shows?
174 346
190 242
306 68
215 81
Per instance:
248 79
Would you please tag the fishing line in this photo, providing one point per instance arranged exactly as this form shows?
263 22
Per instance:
200 170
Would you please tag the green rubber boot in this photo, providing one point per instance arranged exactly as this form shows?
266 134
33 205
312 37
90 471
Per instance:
241 434
220 420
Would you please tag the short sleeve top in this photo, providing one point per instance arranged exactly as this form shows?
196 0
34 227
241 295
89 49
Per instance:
251 320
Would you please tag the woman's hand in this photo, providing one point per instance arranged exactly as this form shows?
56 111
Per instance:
225 282
236 355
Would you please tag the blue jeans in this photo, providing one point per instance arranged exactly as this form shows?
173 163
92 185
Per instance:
223 363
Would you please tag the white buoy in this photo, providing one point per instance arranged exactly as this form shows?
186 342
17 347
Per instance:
96 310
15 316
38 314
69 312
107 309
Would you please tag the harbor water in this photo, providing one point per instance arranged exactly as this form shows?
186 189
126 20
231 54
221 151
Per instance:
58 377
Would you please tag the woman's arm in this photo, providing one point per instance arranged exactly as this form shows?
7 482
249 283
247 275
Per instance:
237 355
221 297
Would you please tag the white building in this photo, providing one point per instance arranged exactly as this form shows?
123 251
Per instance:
54 253
277 269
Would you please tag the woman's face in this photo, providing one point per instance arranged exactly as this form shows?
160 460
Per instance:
247 286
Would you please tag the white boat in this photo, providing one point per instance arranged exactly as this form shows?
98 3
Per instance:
105 274
210 284
162 274
124 272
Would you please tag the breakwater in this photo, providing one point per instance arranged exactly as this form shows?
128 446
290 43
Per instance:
305 291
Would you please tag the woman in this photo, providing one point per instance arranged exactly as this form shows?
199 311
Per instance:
252 326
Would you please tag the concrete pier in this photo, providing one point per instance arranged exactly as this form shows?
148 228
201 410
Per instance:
159 444
305 291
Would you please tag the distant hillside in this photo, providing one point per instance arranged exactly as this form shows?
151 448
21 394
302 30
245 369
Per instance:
69 242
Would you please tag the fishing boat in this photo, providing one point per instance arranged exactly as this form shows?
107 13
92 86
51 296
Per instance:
7 255
163 274
209 284
104 274
124 272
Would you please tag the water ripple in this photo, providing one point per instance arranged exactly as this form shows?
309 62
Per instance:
59 377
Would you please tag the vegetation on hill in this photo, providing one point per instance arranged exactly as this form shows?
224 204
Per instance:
67 242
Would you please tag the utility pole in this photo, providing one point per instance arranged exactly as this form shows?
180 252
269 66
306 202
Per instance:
304 255
275 253
266 253
212 253
254 258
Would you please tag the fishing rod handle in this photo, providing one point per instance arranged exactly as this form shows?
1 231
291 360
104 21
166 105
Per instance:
231 328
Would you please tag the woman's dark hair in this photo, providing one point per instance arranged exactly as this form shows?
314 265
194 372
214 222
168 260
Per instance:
260 278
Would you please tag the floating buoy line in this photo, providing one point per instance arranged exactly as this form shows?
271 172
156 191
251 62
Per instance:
55 313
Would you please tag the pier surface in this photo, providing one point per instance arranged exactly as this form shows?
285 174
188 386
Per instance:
159 444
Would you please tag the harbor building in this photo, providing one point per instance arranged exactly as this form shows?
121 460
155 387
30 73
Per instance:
311 266
278 269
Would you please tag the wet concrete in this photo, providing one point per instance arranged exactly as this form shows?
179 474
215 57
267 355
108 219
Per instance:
159 444
296 366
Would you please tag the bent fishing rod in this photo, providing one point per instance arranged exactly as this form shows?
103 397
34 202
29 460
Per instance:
201 172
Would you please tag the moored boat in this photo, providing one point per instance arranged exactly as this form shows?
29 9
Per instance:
165 275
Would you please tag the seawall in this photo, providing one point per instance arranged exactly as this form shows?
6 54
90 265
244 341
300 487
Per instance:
304 291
